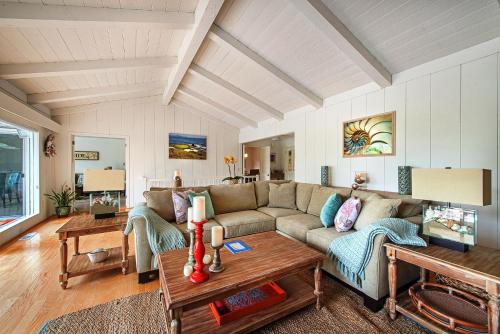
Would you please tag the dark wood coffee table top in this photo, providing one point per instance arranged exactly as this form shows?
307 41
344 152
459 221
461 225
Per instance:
271 256
88 222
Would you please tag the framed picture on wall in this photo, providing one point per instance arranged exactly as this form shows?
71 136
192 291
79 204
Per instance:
185 146
86 155
290 160
369 136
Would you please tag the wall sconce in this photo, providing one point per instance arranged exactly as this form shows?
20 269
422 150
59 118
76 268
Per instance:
360 180
245 155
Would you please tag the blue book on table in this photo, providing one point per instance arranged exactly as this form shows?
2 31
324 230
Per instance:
236 246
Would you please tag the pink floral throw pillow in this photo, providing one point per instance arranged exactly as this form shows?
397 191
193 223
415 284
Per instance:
347 214
181 205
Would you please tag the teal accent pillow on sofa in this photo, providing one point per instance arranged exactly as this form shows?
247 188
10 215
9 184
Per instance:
329 210
209 208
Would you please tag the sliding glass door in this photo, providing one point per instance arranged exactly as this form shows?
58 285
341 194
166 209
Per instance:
19 195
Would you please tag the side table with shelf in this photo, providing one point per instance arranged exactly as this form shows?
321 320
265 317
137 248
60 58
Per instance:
83 225
479 267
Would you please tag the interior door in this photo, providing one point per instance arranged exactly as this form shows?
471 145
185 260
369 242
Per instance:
265 163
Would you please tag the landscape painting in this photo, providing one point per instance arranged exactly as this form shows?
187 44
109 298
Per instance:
369 136
184 146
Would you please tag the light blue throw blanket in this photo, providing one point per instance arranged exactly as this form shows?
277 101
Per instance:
353 251
162 236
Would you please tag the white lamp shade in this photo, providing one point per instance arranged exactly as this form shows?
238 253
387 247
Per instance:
457 185
103 180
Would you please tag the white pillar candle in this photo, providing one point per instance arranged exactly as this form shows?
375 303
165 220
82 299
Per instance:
190 219
177 173
199 208
188 270
217 236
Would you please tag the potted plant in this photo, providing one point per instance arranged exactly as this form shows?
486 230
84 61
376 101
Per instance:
230 160
63 200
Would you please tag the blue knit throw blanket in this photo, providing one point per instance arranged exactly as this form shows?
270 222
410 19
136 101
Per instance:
353 251
162 236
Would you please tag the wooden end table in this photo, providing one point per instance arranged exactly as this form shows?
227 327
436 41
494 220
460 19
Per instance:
272 257
82 225
479 267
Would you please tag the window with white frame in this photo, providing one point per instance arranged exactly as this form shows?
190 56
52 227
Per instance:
19 166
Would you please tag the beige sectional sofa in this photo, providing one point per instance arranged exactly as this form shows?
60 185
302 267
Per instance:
243 209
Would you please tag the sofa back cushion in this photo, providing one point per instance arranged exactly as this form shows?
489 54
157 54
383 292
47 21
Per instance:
375 208
303 195
320 195
282 195
233 197
160 200
262 191
409 207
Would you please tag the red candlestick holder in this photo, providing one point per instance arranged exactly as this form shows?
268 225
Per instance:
198 275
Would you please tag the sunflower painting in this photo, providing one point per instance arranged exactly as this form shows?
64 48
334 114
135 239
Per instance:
369 136
183 146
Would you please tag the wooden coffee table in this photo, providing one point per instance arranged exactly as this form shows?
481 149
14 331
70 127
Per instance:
272 258
82 225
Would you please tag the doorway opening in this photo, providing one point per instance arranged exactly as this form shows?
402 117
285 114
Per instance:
89 152
270 159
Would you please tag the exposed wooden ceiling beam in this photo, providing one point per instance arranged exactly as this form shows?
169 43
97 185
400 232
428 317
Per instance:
201 72
78 94
205 14
206 100
330 25
200 113
42 70
37 15
224 39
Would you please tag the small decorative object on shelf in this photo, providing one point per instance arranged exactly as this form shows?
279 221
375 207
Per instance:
359 179
191 227
98 255
324 176
404 180
177 179
199 275
217 243
50 146
188 270
231 160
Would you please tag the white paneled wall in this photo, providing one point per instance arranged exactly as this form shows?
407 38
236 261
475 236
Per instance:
146 123
448 117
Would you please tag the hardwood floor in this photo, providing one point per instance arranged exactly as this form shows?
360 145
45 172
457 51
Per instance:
29 289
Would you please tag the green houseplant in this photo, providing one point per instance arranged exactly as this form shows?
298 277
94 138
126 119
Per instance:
63 200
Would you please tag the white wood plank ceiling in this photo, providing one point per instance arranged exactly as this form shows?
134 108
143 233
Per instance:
243 61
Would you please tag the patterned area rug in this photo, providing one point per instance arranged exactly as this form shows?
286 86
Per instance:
343 313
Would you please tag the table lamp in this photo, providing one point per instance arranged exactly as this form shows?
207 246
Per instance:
109 183
447 226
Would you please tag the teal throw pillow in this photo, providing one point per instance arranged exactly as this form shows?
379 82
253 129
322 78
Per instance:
209 208
329 210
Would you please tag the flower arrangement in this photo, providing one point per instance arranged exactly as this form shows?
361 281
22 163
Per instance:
231 160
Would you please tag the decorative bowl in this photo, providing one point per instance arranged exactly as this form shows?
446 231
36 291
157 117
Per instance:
98 255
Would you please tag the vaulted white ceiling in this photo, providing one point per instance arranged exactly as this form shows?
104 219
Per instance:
242 62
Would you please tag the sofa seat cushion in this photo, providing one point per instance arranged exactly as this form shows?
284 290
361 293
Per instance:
321 238
278 212
232 198
297 226
245 222
207 231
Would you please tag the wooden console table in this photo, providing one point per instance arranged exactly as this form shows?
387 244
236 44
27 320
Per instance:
479 267
82 225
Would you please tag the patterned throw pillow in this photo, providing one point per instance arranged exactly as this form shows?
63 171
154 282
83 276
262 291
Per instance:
181 205
347 214
330 209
